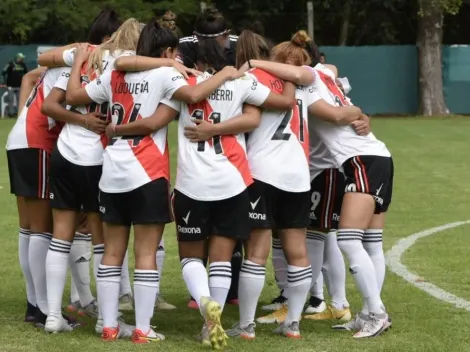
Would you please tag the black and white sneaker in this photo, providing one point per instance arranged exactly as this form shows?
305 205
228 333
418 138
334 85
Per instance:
30 315
276 303
315 305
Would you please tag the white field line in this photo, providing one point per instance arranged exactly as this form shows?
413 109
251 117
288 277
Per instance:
394 255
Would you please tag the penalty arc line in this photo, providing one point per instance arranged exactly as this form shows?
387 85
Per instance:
394 255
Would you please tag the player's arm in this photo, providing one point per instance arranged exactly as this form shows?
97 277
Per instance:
340 115
199 92
162 116
246 122
27 84
76 94
299 75
55 57
362 126
284 101
143 63
53 107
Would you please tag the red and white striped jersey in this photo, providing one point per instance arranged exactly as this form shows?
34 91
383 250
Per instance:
33 129
132 161
278 148
77 144
342 141
216 169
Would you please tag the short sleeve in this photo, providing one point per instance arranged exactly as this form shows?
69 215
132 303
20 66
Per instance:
68 56
172 103
99 89
63 79
174 81
255 93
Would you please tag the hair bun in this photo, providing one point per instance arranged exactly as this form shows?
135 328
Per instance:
156 24
301 38
211 14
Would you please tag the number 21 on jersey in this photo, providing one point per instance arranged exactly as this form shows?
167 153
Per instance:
295 118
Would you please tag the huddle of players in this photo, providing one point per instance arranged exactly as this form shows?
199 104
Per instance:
242 172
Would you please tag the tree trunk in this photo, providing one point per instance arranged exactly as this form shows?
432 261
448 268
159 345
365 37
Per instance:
429 42
343 34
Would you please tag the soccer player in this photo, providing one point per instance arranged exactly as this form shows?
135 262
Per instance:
368 169
134 186
29 147
76 170
212 24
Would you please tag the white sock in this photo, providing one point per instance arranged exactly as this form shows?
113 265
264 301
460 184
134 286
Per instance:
125 288
372 242
74 297
279 264
79 261
315 247
334 271
98 251
299 281
108 281
360 266
220 278
23 255
146 286
195 277
161 258
317 287
250 286
56 274
38 248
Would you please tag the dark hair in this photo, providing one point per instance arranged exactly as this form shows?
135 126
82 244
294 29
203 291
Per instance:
154 40
322 54
251 46
211 53
104 25
210 23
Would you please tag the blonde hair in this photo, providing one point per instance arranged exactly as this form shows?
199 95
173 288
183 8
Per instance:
295 51
125 38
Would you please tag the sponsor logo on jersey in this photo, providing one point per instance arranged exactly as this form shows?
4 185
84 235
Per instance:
186 218
65 74
102 210
351 188
379 200
177 78
51 195
312 216
257 216
336 217
255 203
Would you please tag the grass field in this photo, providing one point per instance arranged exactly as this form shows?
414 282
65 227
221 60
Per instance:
432 188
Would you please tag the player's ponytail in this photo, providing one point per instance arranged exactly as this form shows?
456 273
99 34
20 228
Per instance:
125 38
103 26
155 40
299 51
251 46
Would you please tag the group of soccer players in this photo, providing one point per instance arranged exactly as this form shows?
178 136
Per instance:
270 154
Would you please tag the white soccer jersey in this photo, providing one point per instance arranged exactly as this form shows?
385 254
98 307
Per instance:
278 148
216 169
133 161
320 157
342 141
33 129
77 144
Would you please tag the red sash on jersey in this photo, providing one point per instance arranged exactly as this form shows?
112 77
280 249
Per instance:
333 88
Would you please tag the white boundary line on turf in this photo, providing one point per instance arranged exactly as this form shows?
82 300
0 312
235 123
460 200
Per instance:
394 263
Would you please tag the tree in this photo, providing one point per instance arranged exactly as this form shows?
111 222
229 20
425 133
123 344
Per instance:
429 42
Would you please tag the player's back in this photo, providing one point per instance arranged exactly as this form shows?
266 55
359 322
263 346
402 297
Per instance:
281 139
218 166
342 141
33 129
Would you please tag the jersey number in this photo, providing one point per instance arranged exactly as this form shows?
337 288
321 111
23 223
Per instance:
215 118
118 109
280 135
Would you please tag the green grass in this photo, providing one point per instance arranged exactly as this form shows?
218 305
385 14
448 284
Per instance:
431 189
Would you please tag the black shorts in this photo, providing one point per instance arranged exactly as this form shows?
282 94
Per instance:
148 204
326 198
73 187
272 208
28 169
196 220
372 175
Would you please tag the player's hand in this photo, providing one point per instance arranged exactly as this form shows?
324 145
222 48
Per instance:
82 53
362 126
185 71
202 131
110 130
232 73
95 122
